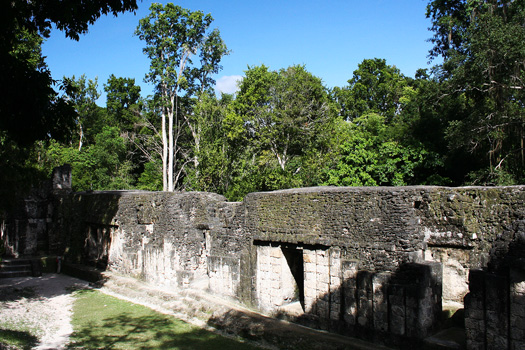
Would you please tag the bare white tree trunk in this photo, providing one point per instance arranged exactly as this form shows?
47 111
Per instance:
170 145
281 158
173 114
164 153
81 136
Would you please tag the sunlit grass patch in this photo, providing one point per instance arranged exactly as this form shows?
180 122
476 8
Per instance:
104 322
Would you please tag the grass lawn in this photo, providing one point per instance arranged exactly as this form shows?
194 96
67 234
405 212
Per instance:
103 322
17 339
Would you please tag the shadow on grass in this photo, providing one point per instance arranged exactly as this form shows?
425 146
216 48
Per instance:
111 324
16 339
148 332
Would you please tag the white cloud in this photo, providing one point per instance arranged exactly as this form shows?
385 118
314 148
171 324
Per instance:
228 84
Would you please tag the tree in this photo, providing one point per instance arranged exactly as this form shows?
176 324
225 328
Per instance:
22 24
374 88
213 173
201 84
370 156
30 109
173 35
102 165
83 95
283 111
286 119
483 46
123 102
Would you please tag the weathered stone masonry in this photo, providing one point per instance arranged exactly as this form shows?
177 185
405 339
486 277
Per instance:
371 262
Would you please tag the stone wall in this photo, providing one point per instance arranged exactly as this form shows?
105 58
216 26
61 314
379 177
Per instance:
26 230
495 304
373 262
384 228
163 238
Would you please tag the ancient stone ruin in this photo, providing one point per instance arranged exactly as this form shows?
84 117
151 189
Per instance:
377 263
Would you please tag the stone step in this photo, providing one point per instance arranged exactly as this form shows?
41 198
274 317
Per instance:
448 339
12 274
10 268
20 267
12 262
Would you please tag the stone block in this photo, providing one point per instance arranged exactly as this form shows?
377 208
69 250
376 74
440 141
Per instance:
323 288
262 258
380 300
350 301
517 307
309 256
275 253
335 262
517 345
335 315
323 277
323 309
396 309
310 267
322 256
411 311
472 345
310 279
496 311
364 299
335 282
475 329
349 269
323 270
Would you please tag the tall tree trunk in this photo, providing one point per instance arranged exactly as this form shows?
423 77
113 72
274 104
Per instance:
164 153
196 133
173 110
81 137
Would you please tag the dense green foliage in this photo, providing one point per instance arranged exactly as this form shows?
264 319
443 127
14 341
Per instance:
462 122
483 44
30 108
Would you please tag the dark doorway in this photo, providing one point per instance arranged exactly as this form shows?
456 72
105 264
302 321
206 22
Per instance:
294 258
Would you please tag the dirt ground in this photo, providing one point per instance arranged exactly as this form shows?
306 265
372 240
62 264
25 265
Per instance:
41 305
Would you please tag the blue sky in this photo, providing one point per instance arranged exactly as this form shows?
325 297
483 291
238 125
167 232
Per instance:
329 37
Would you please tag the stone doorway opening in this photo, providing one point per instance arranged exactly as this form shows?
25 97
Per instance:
280 278
294 259
293 279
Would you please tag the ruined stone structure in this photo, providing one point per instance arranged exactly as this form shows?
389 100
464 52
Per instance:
372 262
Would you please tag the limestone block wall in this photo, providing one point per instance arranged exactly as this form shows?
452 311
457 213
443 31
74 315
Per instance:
25 232
336 295
495 304
379 227
164 238
371 262
384 228
495 310
467 228
358 246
